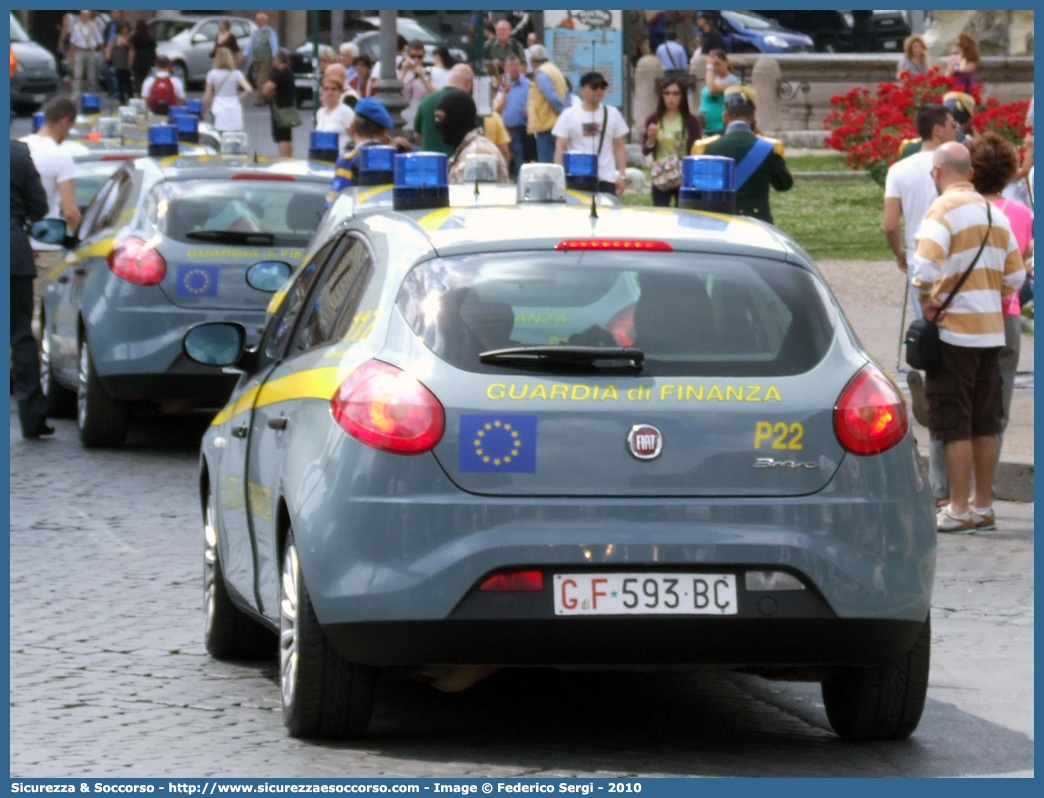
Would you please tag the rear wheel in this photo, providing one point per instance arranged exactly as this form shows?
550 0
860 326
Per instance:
180 71
883 703
101 419
323 696
228 633
61 402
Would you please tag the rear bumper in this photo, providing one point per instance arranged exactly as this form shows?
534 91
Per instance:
754 643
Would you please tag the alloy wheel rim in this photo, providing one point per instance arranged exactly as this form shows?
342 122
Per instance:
81 386
209 566
288 626
45 363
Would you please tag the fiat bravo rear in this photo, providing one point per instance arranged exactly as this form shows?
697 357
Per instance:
644 440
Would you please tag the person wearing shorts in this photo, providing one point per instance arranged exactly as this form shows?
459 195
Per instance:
964 389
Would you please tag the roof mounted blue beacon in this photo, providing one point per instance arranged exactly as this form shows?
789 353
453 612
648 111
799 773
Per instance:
194 107
90 104
377 165
174 112
420 181
38 120
581 170
188 128
322 146
708 184
163 140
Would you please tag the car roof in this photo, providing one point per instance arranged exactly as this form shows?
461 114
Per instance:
194 167
461 231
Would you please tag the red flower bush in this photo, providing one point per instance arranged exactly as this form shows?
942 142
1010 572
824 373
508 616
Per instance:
869 128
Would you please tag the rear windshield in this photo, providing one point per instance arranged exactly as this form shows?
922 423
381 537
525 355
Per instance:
288 210
695 315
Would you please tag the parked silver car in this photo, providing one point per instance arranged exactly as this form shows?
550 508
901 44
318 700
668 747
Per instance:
36 78
189 49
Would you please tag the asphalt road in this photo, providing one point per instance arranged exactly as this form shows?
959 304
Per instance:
109 675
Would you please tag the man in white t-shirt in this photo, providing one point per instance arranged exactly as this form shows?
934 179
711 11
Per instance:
596 128
910 189
57 171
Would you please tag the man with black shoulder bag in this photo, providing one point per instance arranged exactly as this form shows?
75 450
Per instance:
966 260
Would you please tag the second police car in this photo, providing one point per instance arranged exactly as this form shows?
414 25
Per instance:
555 435
168 242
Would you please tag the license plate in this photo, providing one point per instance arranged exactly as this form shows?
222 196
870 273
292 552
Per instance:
891 45
39 98
645 594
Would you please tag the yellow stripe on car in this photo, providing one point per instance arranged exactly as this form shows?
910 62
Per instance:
320 383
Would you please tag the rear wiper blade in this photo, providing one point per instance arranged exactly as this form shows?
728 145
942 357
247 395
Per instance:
233 237
566 356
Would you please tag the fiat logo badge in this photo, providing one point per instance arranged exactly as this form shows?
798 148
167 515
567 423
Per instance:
645 441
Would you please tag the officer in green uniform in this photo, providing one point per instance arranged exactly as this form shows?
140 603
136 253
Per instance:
963 107
759 160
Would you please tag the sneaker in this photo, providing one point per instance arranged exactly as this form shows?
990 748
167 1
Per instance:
948 521
918 400
984 520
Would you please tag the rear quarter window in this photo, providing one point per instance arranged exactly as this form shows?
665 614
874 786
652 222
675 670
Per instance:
691 314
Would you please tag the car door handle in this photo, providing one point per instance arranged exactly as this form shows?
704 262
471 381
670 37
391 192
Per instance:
240 431
79 271
277 423
63 278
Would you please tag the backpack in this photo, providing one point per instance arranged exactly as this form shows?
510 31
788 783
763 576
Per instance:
161 95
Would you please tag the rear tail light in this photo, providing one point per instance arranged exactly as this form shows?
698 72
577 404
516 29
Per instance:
387 409
137 262
631 244
870 416
119 157
263 176
514 582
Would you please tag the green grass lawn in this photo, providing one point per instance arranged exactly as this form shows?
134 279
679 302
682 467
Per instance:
834 162
839 220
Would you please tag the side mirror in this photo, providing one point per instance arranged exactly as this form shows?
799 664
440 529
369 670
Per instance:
215 343
49 231
268 275
199 38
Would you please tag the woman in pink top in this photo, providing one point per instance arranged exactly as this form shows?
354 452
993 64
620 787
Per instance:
995 162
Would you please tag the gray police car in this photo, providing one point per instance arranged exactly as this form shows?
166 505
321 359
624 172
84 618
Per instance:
168 243
551 435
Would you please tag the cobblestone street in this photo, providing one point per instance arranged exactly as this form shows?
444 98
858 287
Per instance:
109 675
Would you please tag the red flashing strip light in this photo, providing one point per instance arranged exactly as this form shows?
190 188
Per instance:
624 244
262 176
119 157
514 582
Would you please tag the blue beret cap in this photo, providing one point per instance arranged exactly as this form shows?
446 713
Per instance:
371 109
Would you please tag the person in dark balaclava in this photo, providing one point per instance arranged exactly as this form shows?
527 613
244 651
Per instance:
459 127
455 116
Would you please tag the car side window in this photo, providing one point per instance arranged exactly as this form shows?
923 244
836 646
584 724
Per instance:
208 30
90 217
281 325
335 297
116 200
240 29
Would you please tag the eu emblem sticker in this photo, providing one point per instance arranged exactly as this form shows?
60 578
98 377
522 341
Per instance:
197 281
497 443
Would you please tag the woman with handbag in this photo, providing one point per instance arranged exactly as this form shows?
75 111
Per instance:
670 133
280 89
118 53
226 89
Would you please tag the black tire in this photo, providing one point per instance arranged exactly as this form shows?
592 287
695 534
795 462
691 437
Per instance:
101 419
323 696
827 44
228 633
61 402
883 703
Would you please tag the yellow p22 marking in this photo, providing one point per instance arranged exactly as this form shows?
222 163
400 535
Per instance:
779 432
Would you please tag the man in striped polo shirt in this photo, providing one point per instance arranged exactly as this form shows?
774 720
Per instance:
964 392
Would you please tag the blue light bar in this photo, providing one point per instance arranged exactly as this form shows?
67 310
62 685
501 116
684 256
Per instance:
194 107
581 170
90 104
708 184
163 140
38 120
377 165
420 181
323 146
188 128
